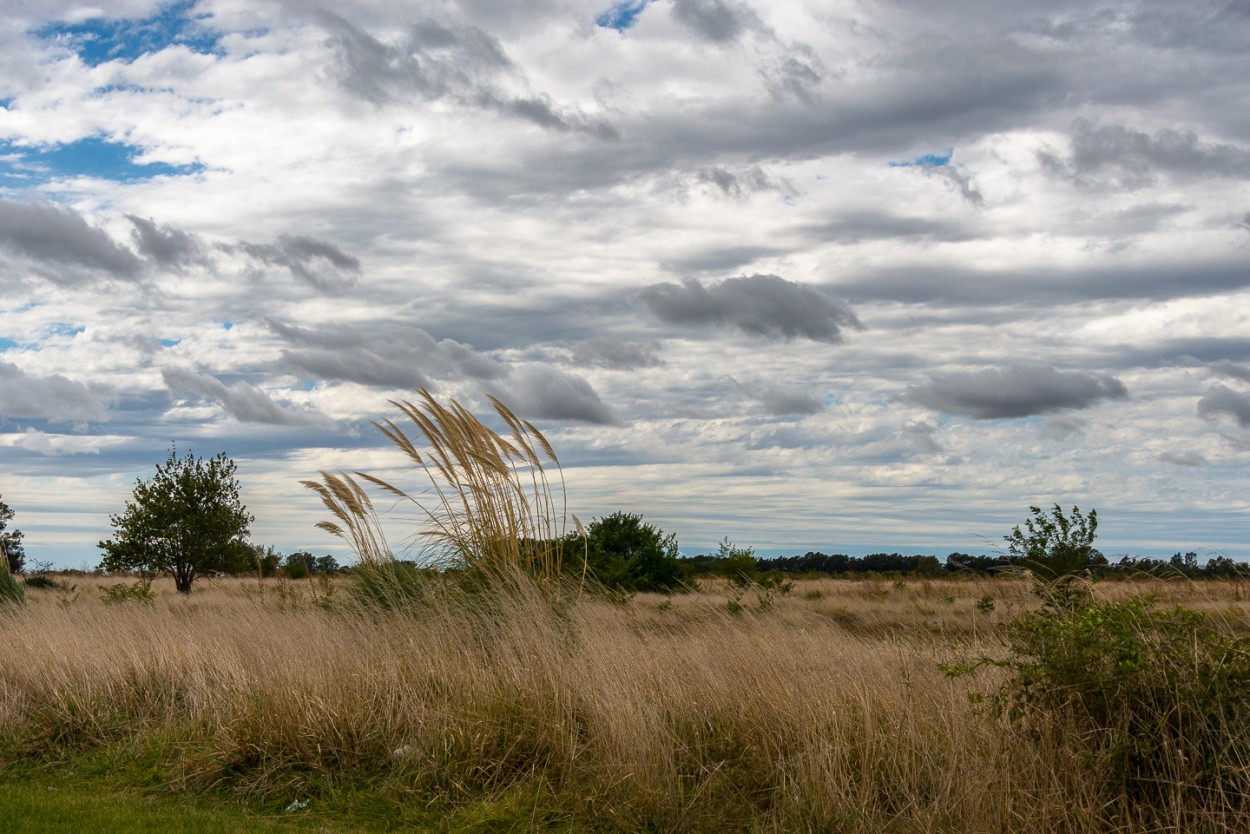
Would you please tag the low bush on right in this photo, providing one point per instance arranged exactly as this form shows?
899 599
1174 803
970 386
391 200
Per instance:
1149 707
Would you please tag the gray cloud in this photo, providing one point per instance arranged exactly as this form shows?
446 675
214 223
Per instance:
452 60
1040 286
59 235
242 401
1019 390
1223 400
762 305
387 355
742 181
959 179
797 75
164 244
1190 459
402 356
52 397
1062 427
715 20
1121 157
548 393
875 225
779 401
1230 369
922 434
603 352
306 258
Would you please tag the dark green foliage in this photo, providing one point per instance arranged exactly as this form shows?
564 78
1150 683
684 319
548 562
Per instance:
392 584
10 588
626 554
299 565
1055 544
1155 703
186 521
121 592
11 541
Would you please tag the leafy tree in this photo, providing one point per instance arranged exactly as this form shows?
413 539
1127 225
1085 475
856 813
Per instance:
298 565
625 553
1053 544
11 541
326 564
185 521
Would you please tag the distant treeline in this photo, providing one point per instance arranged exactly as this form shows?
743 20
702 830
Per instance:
897 564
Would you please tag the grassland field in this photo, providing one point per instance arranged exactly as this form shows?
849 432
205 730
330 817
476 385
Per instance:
281 705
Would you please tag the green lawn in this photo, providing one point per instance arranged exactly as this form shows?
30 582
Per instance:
54 807
42 802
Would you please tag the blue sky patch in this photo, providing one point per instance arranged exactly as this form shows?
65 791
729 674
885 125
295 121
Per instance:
170 342
227 325
100 39
91 157
5 344
63 328
623 15
929 160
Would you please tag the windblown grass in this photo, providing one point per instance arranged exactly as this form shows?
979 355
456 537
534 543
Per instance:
491 505
820 713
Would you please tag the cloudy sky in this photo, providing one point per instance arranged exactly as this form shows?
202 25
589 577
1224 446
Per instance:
809 274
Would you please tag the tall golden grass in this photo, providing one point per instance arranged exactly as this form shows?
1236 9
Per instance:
491 502
824 711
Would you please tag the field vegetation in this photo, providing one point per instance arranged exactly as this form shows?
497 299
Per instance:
827 708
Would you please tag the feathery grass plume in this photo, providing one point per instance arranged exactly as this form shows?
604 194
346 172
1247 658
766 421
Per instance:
492 505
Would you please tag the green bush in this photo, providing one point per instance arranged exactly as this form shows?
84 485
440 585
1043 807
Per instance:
1154 703
121 592
10 589
624 553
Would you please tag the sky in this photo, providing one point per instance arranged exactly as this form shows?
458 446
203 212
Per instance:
838 276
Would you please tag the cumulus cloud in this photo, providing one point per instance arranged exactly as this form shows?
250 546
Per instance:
451 60
762 305
1019 390
603 352
738 182
59 235
922 434
242 401
545 392
1225 367
53 397
402 356
715 20
1224 400
165 244
387 355
779 401
321 264
1122 157
1189 459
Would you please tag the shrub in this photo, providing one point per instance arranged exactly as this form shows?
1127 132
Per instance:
121 592
1155 704
10 590
625 554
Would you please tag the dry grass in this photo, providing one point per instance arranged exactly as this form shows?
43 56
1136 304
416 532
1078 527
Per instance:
826 711
490 503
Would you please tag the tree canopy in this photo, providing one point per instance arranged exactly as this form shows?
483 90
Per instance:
626 553
185 521
11 540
